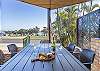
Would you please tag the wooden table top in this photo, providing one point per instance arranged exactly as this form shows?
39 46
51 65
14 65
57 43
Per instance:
64 60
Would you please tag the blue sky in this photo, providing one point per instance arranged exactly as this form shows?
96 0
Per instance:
16 15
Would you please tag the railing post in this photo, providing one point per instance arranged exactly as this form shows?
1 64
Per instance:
26 41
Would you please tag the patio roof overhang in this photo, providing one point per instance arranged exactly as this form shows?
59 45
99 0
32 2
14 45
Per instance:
53 4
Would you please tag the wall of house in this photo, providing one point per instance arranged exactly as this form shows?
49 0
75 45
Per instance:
95 46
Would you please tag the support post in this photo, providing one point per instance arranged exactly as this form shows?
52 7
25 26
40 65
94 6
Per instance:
77 33
49 24
99 30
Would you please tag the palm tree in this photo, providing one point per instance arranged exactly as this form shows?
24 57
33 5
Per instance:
30 31
36 30
22 32
67 24
88 7
55 27
44 31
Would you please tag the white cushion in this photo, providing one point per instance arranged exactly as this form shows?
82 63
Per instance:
77 49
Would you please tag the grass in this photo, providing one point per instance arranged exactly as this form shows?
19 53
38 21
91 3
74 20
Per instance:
39 37
22 37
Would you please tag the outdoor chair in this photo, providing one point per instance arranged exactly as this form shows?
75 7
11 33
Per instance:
70 47
12 49
87 57
3 57
77 51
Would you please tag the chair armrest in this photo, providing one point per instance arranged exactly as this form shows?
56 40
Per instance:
76 52
71 51
14 52
87 63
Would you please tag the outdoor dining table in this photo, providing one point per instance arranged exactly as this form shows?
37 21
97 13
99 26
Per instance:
64 60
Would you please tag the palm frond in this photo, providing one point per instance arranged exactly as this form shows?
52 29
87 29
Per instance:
95 6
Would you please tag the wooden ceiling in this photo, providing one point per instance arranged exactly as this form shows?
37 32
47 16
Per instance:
53 4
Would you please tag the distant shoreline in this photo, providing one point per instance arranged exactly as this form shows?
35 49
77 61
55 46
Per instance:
8 39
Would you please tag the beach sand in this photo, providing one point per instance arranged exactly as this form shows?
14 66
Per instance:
4 41
3 47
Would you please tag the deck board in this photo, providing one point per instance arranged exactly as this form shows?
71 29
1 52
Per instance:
47 65
57 66
23 61
39 65
30 65
66 66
